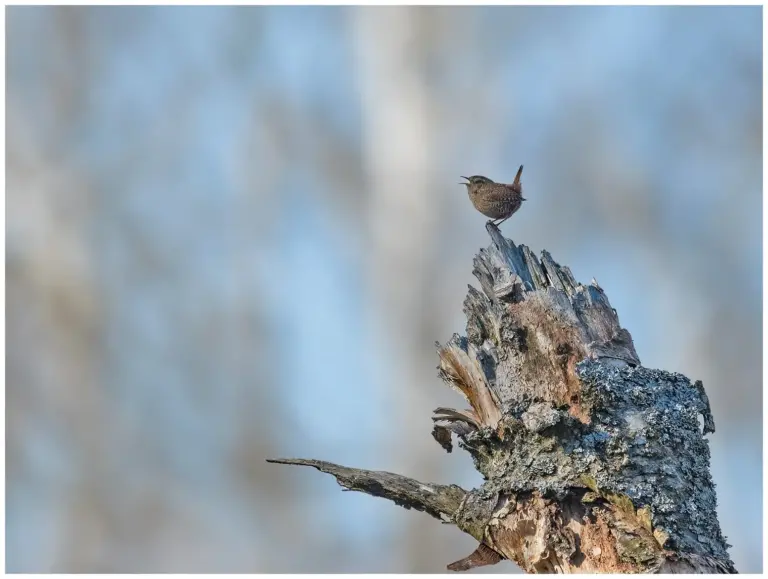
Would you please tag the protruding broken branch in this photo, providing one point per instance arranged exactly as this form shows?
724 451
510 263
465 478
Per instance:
480 557
592 463
440 501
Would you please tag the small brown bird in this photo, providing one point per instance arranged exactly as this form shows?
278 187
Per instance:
495 200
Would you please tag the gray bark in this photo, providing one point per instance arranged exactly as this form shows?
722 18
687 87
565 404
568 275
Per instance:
592 463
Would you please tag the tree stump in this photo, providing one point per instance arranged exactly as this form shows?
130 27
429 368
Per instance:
591 462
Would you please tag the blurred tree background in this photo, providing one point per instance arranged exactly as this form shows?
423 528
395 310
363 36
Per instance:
236 233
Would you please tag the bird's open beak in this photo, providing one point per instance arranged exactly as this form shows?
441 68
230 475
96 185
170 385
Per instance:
467 178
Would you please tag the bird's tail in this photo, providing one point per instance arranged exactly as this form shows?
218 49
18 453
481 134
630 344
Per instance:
516 182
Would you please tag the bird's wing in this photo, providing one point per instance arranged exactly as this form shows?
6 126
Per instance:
500 194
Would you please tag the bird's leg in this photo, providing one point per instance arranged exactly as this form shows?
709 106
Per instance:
503 220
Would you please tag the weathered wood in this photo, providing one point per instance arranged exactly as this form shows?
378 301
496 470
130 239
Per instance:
480 557
592 463
440 501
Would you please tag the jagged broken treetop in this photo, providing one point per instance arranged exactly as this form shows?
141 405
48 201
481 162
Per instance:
591 462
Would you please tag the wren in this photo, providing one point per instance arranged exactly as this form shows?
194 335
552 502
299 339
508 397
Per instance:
499 201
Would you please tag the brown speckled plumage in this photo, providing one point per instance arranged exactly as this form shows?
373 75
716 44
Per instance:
495 200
